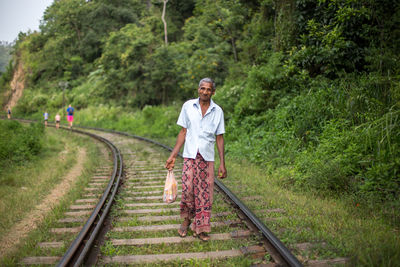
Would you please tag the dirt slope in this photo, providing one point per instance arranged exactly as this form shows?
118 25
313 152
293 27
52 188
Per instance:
17 85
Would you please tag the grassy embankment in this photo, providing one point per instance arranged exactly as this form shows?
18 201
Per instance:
341 227
25 185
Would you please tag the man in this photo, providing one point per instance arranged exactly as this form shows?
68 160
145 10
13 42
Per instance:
70 115
202 124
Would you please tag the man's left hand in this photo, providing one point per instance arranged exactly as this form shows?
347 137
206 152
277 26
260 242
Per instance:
222 172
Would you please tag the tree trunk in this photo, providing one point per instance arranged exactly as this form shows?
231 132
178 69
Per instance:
165 23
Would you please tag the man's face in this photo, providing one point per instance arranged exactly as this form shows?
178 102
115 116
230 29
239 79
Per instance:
205 91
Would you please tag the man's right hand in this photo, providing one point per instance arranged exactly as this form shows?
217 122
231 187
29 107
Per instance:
170 163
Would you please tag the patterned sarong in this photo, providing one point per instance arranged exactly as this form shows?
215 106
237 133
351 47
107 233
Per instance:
197 192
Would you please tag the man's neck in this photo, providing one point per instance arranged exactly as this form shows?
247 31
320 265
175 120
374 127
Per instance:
205 103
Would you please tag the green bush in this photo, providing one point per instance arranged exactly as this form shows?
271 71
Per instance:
19 143
337 137
380 175
330 166
264 86
361 160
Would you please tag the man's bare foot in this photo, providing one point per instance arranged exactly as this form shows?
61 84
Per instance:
183 229
202 236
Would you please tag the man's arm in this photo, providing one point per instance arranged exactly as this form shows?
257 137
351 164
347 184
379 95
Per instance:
180 140
221 151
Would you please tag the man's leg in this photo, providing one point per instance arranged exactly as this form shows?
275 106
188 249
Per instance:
203 183
187 197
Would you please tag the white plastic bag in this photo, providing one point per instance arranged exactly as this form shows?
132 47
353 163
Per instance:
170 188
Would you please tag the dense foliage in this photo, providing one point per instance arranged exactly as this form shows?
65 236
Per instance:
18 144
6 70
310 88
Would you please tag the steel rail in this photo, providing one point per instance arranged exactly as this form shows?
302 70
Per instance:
79 249
284 252
289 258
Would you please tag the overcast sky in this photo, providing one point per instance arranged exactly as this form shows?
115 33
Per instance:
20 16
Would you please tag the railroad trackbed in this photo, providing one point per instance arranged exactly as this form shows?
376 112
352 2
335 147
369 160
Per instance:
141 230
144 229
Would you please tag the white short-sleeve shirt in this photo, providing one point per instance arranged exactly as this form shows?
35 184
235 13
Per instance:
201 131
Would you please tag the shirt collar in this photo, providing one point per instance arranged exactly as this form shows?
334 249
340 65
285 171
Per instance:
197 103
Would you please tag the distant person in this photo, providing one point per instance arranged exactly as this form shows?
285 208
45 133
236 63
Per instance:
58 118
202 123
46 118
8 112
70 115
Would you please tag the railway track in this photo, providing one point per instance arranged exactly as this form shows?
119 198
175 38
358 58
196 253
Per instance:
83 222
142 230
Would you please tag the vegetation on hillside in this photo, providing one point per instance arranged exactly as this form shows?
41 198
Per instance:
5 55
310 88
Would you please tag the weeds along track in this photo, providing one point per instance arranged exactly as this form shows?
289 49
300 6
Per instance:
141 230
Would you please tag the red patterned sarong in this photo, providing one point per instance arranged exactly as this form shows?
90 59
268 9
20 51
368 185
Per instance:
197 192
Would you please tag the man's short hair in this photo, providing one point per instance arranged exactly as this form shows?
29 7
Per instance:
207 80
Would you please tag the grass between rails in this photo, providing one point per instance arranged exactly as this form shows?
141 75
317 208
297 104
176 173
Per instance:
54 164
233 262
165 248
